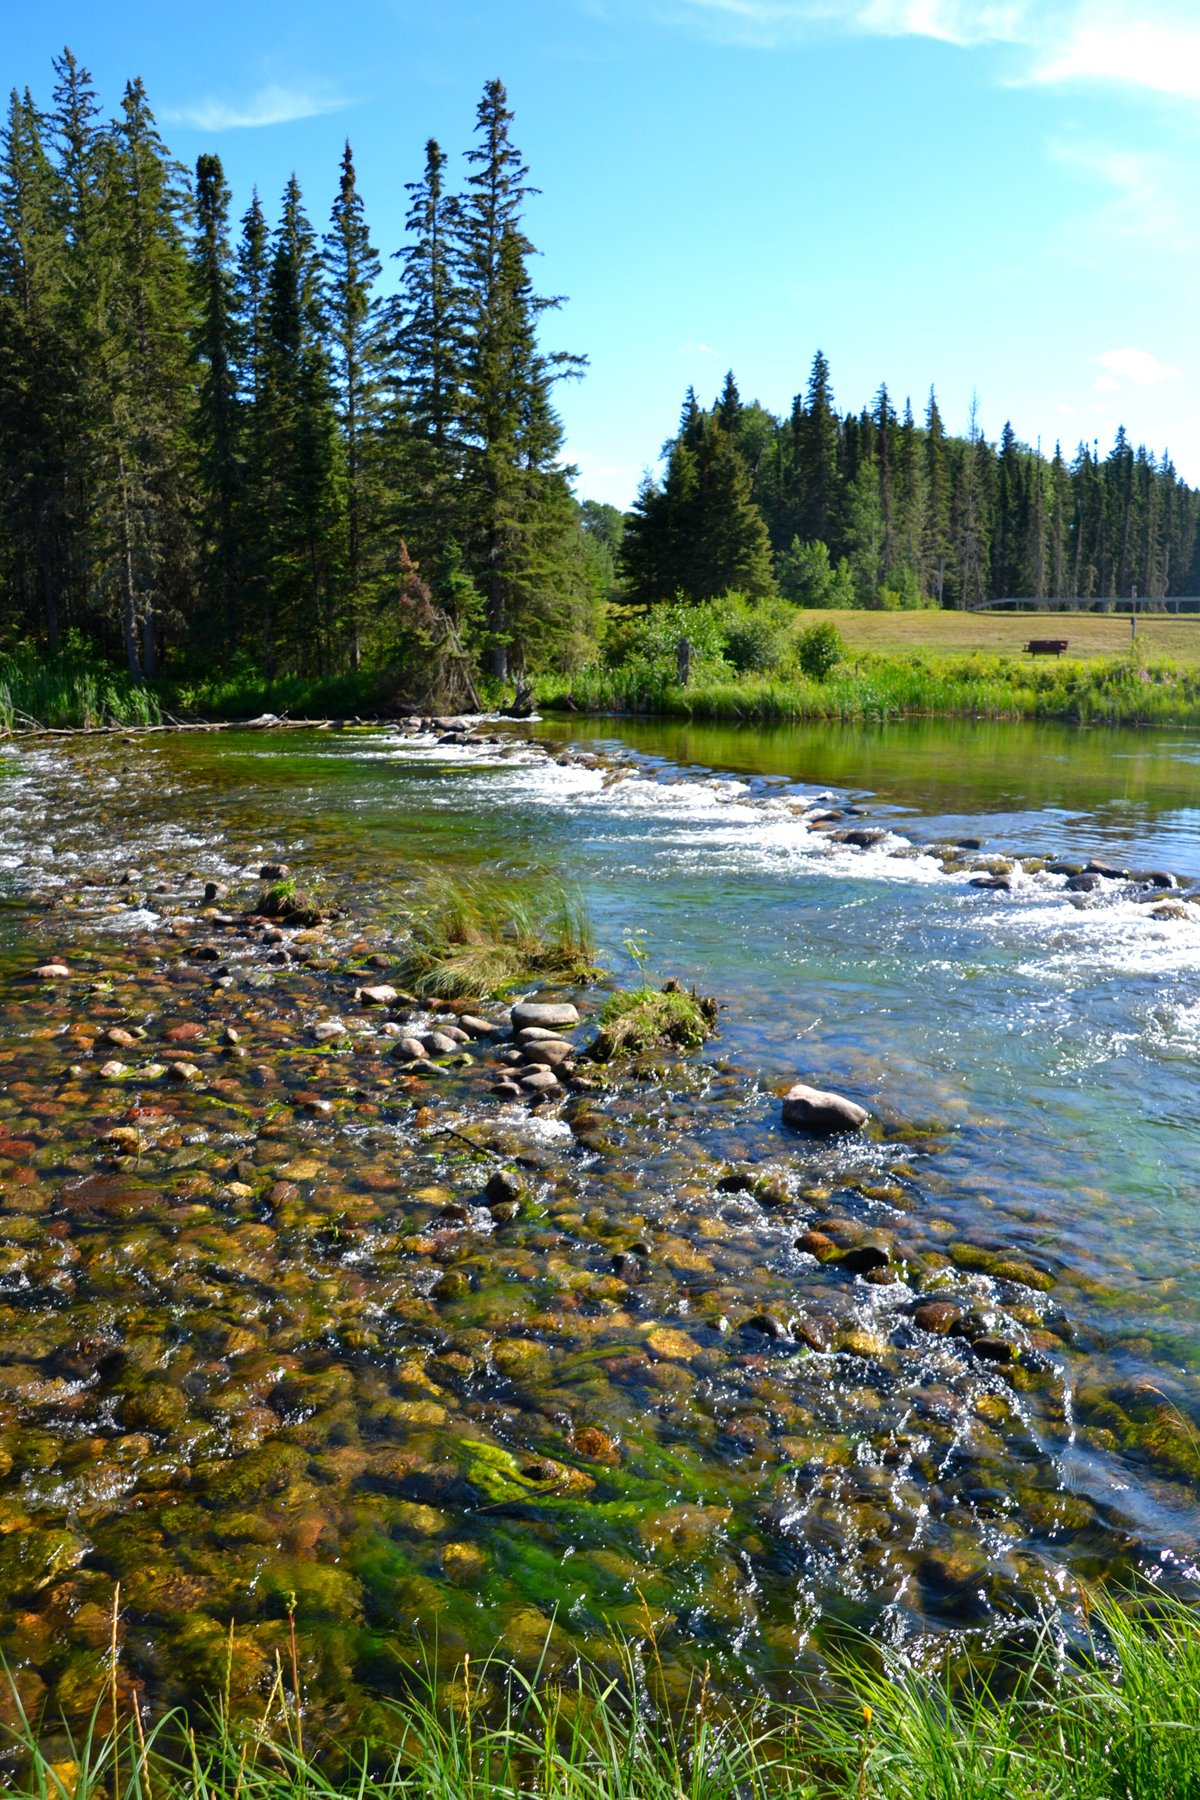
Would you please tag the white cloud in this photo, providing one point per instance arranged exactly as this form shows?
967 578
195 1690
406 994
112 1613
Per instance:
271 105
1066 41
1149 201
1161 53
1139 366
696 349
1106 384
950 21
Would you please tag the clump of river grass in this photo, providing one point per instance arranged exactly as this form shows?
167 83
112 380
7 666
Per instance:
72 689
1117 1717
646 1018
478 936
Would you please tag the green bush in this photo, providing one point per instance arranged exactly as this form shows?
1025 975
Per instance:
728 636
819 650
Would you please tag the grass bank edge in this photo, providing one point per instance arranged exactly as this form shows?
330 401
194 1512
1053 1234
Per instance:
878 687
1110 1714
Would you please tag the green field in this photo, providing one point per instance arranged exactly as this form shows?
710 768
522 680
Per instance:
1176 639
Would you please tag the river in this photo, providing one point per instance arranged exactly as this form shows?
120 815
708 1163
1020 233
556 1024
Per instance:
234 1371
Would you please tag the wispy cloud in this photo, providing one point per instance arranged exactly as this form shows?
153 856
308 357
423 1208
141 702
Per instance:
271 105
1147 201
1141 367
695 348
1064 41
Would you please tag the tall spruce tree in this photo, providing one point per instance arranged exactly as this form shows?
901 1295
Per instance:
217 423
36 394
935 538
353 312
427 341
971 511
815 429
700 534
145 461
253 627
82 154
524 546
304 514
909 503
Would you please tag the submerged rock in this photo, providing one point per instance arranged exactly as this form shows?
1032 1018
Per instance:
821 1113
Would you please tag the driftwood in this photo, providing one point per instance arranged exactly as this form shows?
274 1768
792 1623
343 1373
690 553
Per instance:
268 722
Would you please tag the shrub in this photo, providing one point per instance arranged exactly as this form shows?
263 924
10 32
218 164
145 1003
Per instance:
819 650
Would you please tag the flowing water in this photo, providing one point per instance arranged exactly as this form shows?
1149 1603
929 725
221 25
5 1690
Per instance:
279 1351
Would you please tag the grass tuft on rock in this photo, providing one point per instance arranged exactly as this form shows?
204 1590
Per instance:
474 937
648 1018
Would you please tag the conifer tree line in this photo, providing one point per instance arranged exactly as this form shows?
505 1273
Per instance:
875 508
218 440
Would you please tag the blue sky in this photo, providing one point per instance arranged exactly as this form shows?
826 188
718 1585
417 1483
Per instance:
1000 196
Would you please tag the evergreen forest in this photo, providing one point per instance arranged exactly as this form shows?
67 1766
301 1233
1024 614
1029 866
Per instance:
873 509
273 445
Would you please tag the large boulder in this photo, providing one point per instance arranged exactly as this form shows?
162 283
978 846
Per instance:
819 1113
553 1015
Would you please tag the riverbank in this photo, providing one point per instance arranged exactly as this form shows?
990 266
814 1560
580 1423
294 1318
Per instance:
883 666
872 687
1111 1717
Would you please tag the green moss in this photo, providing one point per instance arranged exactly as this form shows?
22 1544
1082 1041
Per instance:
255 1476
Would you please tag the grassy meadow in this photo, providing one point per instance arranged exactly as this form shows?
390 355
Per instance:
1160 637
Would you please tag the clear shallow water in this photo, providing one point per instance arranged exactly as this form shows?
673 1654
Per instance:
1050 1043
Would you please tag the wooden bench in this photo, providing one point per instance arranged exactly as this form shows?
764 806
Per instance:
1046 646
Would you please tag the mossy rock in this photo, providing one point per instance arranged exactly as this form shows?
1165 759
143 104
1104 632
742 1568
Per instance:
463 1564
156 1407
1055 1512
32 1560
255 1476
522 1360
531 1640
971 1256
645 1018
1014 1268
683 1531
421 1521
320 1590
557 1477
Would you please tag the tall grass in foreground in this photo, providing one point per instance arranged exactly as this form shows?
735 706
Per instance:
476 936
72 689
1121 1721
876 687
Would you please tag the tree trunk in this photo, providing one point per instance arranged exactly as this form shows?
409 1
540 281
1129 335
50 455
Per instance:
129 620
150 644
